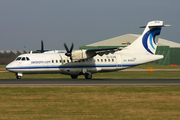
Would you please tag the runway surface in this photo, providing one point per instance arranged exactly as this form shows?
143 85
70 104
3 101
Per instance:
85 82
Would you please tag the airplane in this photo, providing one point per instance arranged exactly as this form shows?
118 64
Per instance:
90 61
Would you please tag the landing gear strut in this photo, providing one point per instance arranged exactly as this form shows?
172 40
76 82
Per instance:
88 75
19 75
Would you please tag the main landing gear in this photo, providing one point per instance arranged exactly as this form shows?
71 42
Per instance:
74 76
87 75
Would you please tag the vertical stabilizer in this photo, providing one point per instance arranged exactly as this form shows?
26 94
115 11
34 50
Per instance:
147 42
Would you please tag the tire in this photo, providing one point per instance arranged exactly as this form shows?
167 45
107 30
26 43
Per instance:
18 77
74 76
88 75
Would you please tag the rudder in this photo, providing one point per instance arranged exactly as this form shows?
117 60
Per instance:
148 41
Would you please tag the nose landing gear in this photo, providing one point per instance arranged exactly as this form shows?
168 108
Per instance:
19 75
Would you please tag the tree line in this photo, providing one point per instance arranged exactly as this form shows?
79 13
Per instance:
6 58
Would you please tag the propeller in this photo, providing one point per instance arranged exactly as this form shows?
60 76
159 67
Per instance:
69 51
42 46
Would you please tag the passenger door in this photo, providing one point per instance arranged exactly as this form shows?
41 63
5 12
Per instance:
118 61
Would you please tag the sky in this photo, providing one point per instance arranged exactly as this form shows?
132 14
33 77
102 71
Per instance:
24 23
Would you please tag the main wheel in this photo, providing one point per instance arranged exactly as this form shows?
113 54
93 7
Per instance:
74 76
88 75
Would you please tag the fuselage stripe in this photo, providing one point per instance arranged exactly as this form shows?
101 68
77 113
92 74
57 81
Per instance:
72 66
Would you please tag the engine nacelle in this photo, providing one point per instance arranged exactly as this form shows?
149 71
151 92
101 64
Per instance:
78 55
81 54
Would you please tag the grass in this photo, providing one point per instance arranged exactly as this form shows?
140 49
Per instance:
90 103
3 66
156 66
108 75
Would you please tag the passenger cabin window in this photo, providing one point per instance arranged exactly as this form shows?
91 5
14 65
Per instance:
112 60
68 61
105 60
52 61
56 61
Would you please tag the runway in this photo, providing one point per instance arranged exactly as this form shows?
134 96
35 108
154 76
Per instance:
85 82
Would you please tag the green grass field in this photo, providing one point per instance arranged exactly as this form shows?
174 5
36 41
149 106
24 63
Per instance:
108 75
90 103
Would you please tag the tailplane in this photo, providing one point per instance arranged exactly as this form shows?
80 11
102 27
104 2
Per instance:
147 42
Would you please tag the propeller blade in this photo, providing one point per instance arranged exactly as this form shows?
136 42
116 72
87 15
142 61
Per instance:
42 46
69 51
66 47
71 47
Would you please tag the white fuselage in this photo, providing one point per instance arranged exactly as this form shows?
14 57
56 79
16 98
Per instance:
142 50
60 63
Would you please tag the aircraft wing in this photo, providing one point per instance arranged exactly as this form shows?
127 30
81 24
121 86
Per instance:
103 51
77 55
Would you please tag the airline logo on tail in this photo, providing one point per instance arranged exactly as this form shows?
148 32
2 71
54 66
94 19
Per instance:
149 40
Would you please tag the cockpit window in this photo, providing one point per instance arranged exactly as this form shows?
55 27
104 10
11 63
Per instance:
19 58
23 59
27 58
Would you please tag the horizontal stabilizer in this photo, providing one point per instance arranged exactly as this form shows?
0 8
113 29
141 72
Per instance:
155 26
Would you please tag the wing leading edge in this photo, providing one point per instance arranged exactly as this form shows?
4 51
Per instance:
77 55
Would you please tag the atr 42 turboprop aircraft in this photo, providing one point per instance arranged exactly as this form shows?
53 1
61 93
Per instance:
87 62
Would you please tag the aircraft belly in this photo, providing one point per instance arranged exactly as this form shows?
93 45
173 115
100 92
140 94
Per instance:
71 71
33 71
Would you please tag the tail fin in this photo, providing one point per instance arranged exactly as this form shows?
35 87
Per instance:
147 42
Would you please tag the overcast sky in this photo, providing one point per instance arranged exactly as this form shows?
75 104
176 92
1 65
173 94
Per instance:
26 22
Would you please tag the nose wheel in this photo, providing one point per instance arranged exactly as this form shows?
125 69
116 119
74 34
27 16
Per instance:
19 75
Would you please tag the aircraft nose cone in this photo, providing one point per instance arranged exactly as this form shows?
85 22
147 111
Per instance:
9 67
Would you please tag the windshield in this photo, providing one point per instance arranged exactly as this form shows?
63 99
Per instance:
19 58
22 59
